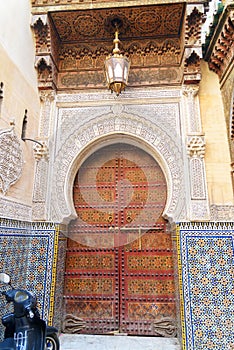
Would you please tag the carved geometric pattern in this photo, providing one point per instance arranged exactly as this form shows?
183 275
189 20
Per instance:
40 183
159 139
150 311
192 63
150 262
54 3
11 159
196 146
153 53
151 287
77 43
137 77
206 269
41 151
154 238
41 154
154 21
31 250
196 152
47 97
193 27
46 51
161 94
197 178
89 261
39 211
84 309
92 286
42 36
199 210
193 111
14 210
222 212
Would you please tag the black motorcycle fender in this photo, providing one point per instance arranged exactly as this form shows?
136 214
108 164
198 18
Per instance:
51 330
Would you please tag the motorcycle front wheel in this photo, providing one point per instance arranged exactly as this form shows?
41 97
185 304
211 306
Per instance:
52 342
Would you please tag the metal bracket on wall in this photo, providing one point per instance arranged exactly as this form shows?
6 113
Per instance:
1 90
24 127
26 139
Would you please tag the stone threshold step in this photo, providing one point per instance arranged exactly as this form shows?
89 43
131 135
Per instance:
120 342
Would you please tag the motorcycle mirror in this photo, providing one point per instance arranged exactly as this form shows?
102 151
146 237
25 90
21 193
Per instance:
5 278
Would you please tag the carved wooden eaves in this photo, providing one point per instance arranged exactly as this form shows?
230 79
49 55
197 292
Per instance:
220 52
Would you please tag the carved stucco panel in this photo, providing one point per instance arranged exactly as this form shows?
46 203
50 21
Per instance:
47 98
128 94
38 211
13 210
191 104
163 114
70 117
222 212
11 159
199 210
139 128
40 183
198 190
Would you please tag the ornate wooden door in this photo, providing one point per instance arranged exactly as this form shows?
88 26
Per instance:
119 269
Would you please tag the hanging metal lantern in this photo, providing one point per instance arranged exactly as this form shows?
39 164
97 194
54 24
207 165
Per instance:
117 68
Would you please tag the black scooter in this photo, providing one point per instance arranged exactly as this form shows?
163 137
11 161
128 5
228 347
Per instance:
24 329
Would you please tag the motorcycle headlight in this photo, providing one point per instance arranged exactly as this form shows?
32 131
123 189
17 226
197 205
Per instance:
20 296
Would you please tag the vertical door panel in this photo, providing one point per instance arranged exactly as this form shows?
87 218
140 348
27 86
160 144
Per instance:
92 289
147 283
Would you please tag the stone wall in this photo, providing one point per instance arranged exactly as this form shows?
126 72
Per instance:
217 157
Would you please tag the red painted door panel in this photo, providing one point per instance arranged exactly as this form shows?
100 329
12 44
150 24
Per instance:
92 289
146 283
119 270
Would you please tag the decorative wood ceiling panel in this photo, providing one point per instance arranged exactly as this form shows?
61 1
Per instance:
146 22
152 36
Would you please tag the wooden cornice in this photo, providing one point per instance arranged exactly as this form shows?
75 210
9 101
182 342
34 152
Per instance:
220 51
43 6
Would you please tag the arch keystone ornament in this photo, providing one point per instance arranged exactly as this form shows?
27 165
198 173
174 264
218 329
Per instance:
11 159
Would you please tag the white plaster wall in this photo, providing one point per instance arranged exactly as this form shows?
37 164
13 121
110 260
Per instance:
16 36
20 93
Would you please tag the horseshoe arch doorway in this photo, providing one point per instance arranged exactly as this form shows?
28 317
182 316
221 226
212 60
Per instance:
119 266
